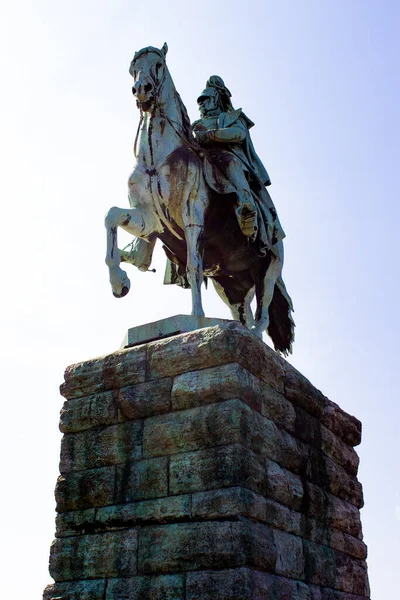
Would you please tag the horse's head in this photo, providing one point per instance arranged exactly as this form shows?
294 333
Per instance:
148 69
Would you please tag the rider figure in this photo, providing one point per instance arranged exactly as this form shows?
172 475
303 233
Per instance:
224 131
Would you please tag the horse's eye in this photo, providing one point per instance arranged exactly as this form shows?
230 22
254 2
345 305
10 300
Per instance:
158 66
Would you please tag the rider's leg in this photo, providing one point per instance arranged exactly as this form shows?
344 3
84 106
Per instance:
246 211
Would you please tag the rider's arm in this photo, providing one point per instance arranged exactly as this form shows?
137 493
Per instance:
235 133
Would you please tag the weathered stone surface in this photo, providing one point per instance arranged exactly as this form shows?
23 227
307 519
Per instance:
345 426
188 546
101 447
76 590
274 406
290 559
216 346
229 584
160 510
351 575
282 517
161 587
283 486
229 502
75 522
145 399
329 536
85 489
291 453
141 480
318 593
214 384
216 468
198 428
325 473
302 393
243 584
112 554
343 454
332 511
105 373
320 564
89 412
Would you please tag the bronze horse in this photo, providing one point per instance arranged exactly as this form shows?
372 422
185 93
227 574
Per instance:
171 200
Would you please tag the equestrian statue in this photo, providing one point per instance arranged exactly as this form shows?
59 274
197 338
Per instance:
202 190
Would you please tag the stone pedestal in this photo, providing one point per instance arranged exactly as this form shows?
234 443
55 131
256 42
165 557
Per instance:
205 467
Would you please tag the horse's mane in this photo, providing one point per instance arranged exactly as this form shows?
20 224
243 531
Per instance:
186 124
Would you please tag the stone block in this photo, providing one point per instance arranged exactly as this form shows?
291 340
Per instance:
198 428
89 412
318 593
326 474
329 536
101 447
75 522
345 426
274 406
111 554
216 468
291 453
145 399
227 584
320 564
161 587
105 373
216 346
351 575
303 394
206 386
85 489
243 584
343 454
282 517
168 327
230 502
331 511
141 480
216 544
290 559
160 510
76 590
283 486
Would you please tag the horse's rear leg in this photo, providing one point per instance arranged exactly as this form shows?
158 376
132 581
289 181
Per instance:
241 310
132 221
264 293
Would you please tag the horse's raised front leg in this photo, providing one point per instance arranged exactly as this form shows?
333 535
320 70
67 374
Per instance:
132 221
265 291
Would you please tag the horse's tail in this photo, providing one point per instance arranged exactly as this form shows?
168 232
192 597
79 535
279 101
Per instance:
281 324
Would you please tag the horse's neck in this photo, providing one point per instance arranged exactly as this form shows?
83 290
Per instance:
161 131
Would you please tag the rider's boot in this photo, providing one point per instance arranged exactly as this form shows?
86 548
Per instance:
246 214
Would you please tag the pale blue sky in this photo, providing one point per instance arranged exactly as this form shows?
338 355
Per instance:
321 81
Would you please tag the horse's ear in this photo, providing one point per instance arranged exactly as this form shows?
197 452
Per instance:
164 49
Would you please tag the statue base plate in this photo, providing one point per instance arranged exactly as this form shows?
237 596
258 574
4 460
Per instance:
167 328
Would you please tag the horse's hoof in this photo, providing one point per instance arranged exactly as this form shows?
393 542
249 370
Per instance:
123 292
